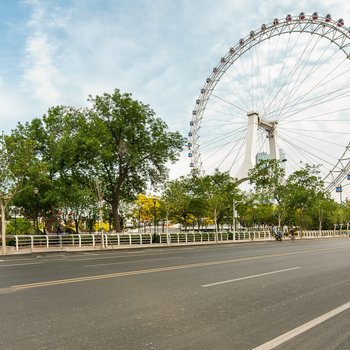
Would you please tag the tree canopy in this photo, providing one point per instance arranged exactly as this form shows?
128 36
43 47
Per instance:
118 140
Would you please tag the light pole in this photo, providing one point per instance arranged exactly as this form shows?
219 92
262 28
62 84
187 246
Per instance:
139 219
3 226
36 191
15 220
154 217
14 213
234 216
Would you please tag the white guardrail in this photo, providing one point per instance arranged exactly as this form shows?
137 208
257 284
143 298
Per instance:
114 240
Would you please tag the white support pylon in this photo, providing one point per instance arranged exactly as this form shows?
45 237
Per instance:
250 148
254 122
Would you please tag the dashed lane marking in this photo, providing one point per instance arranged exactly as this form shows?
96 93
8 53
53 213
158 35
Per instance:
249 277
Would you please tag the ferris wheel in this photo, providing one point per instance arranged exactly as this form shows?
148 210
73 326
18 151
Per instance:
282 92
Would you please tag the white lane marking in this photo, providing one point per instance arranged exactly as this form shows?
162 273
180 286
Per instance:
248 277
303 328
84 258
22 264
133 261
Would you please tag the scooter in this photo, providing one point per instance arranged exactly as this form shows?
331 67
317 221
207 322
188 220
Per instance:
278 235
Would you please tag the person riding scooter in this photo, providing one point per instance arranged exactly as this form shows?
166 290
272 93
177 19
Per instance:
278 234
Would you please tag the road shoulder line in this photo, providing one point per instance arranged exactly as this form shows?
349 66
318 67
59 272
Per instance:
303 328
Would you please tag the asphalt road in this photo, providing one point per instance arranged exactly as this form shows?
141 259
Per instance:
243 296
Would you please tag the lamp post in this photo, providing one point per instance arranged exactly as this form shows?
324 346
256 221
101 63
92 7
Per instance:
139 219
15 221
281 181
234 216
3 226
154 217
15 212
36 191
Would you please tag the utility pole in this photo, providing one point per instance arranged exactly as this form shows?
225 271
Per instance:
154 218
3 227
99 199
234 216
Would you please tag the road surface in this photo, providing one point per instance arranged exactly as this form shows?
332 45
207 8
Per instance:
241 296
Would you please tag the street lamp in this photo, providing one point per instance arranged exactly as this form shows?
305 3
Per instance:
14 209
36 191
139 221
154 216
234 216
15 220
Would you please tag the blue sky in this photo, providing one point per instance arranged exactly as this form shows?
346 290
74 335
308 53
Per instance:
59 52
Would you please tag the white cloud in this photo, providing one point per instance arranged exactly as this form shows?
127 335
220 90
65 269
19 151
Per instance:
162 51
40 71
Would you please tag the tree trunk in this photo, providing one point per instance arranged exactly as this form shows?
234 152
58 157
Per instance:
185 222
76 226
116 216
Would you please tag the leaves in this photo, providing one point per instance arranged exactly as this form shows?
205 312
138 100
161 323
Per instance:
119 140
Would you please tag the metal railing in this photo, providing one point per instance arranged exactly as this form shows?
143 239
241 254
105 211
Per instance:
120 240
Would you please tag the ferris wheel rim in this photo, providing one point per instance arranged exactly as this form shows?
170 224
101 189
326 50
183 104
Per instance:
334 31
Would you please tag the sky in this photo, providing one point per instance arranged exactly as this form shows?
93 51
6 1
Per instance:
58 52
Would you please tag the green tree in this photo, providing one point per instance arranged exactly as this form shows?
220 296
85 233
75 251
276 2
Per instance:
118 140
322 211
303 188
57 168
220 191
268 178
15 159
131 147
177 195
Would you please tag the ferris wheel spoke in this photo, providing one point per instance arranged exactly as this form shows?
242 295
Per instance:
229 103
288 86
302 99
220 114
215 138
319 130
317 116
321 100
304 149
271 58
285 81
307 136
258 78
297 156
287 100
291 102
235 91
264 101
231 151
212 154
